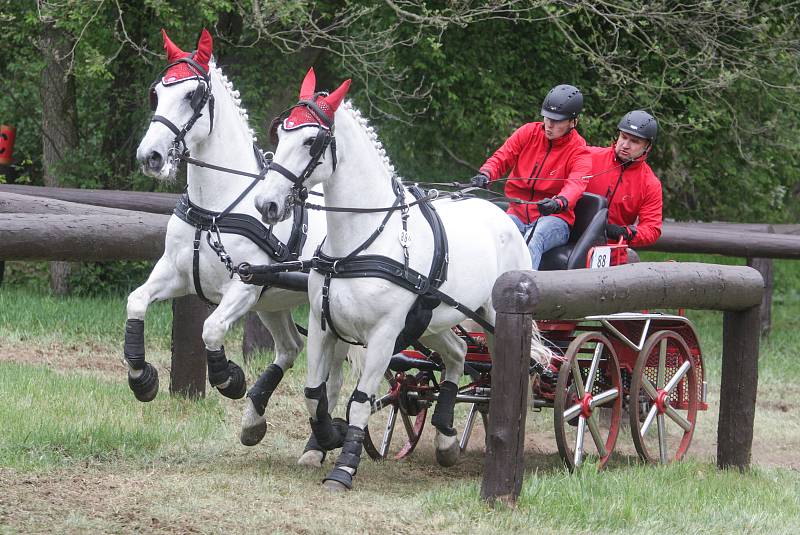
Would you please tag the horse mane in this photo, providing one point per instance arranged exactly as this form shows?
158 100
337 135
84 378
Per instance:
372 135
234 96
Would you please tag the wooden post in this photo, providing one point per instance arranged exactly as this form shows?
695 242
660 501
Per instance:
739 382
505 465
188 372
764 266
256 337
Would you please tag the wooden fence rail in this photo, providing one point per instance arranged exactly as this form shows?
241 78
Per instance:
522 296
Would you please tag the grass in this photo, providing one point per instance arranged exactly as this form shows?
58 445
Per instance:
50 419
79 454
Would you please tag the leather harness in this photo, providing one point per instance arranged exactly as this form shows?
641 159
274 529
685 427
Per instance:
229 222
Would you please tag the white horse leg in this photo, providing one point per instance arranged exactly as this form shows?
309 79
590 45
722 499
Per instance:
378 355
452 350
288 344
313 453
164 282
224 374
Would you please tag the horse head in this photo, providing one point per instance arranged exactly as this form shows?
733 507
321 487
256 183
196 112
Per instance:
183 108
306 149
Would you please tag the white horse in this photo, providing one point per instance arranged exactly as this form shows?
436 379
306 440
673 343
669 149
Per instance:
194 93
372 311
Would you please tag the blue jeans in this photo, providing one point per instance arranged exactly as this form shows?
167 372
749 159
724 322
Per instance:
548 232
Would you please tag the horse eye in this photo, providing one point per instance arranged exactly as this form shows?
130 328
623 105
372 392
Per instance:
308 142
189 95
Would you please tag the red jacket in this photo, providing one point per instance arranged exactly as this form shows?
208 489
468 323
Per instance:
633 191
540 169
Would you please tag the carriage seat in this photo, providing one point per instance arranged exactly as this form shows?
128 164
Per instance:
589 230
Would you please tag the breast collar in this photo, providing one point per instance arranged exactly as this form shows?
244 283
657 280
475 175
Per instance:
229 222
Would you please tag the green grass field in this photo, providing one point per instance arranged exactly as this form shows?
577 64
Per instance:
79 454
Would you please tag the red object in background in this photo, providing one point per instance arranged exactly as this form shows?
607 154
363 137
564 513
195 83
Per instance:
6 143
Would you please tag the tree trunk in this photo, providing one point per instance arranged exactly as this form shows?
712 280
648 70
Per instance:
256 337
59 121
123 128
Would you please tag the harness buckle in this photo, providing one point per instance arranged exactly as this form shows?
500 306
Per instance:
335 266
421 284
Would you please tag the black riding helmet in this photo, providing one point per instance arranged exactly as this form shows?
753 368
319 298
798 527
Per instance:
639 123
562 102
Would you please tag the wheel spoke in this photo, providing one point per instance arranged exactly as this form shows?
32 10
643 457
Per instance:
604 397
389 431
678 418
662 439
408 424
572 412
379 404
576 376
578 458
648 420
649 388
598 352
596 436
678 376
662 363
468 425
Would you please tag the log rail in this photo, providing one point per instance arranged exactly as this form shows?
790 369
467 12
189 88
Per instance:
522 296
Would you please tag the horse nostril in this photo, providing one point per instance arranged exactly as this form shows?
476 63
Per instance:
155 161
272 210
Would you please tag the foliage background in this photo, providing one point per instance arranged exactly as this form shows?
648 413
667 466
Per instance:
459 76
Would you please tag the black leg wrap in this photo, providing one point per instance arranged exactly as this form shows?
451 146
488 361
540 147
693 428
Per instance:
340 427
260 392
442 418
220 369
134 343
350 457
217 366
328 437
145 387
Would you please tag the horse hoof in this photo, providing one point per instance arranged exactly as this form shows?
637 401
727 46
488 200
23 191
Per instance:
311 459
334 486
237 386
250 436
145 387
254 426
447 450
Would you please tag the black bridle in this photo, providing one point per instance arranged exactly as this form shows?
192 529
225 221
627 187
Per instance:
325 138
202 95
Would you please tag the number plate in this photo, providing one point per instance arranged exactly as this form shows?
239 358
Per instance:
601 257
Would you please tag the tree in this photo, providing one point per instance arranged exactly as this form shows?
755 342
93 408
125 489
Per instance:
59 119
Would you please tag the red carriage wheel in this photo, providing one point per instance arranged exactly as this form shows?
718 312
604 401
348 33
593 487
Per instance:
663 398
588 401
400 402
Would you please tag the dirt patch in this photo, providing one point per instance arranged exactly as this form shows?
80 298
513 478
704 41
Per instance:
65 358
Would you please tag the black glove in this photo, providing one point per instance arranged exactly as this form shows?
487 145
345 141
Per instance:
552 206
480 181
615 232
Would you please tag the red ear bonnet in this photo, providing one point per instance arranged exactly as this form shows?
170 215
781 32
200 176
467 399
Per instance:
304 116
182 71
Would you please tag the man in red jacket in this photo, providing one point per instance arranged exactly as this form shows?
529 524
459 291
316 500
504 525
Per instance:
549 164
622 175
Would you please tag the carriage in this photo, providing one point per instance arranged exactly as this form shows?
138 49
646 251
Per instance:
647 365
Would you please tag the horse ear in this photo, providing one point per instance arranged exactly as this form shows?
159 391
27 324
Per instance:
204 44
173 52
335 98
309 85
